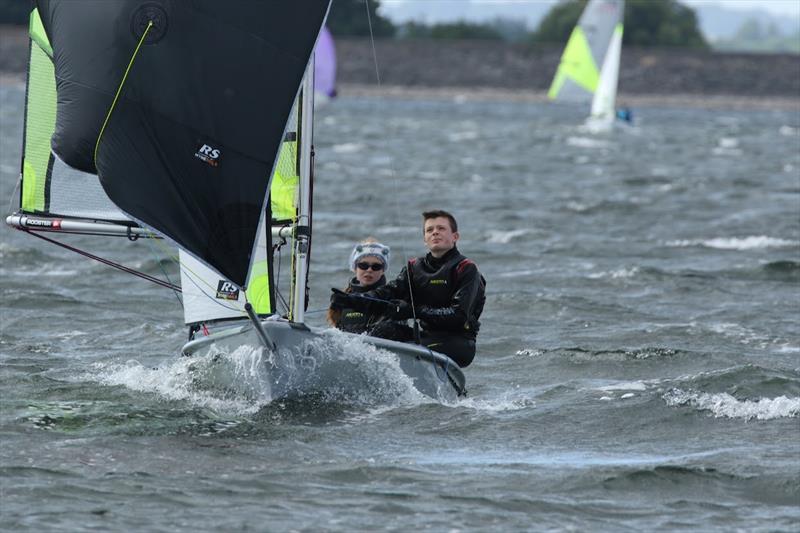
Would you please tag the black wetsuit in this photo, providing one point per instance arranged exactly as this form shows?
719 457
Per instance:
448 297
359 320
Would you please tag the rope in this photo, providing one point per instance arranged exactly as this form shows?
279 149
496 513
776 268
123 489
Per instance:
403 247
163 270
119 89
14 193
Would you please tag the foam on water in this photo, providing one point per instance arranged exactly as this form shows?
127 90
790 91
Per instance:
723 405
240 382
348 148
736 243
509 401
504 237
624 386
620 273
586 142
182 379
459 136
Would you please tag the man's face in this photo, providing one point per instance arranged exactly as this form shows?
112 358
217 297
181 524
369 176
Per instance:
438 236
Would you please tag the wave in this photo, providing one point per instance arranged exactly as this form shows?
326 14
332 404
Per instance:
724 405
348 148
587 142
736 243
744 381
620 273
504 236
622 206
588 354
781 270
510 401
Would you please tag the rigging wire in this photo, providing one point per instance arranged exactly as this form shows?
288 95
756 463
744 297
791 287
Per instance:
164 271
106 262
13 194
396 195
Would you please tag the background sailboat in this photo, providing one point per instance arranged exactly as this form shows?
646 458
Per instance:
324 67
589 67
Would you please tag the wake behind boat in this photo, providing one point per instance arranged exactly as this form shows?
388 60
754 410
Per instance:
230 186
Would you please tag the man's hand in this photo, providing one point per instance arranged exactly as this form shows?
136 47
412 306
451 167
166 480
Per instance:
398 310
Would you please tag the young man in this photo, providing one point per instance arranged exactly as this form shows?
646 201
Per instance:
443 289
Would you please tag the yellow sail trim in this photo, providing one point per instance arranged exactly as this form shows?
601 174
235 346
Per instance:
283 191
577 64
40 122
37 33
258 291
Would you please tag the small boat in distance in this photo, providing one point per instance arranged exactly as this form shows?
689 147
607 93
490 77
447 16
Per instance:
324 67
589 67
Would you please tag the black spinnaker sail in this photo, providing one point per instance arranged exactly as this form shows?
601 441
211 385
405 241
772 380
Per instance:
180 107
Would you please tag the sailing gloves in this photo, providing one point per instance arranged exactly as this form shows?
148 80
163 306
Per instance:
394 309
341 299
398 310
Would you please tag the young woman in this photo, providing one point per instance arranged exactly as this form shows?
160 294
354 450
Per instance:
369 261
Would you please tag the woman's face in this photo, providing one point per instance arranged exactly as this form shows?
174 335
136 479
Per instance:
365 270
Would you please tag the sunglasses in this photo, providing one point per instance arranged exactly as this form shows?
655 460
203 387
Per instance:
374 266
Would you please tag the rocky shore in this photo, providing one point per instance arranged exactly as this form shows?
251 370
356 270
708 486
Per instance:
496 70
476 69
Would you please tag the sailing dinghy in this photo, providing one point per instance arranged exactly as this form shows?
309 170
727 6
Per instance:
134 127
595 41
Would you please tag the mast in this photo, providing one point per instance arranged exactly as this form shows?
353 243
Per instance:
302 231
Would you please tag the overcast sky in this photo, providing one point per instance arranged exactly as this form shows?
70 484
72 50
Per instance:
460 7
777 7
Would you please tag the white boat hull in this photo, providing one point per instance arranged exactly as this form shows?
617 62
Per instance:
314 359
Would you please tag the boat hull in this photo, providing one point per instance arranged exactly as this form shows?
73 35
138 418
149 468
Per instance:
301 361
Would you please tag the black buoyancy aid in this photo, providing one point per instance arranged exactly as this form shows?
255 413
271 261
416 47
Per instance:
444 284
357 320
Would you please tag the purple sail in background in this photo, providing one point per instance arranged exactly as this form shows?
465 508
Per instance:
325 65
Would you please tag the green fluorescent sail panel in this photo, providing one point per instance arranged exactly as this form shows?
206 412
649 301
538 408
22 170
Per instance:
577 64
579 71
40 119
49 186
37 33
285 181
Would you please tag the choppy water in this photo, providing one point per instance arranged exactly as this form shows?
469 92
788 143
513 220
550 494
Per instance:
638 366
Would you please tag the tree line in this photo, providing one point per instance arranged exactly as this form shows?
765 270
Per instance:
647 23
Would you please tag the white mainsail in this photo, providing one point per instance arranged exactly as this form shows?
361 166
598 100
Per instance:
604 101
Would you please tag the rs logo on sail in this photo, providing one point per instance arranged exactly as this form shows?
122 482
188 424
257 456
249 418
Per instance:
208 154
227 290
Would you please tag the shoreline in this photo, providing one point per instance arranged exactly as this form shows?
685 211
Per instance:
495 94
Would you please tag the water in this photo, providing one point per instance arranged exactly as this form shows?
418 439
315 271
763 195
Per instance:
637 368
